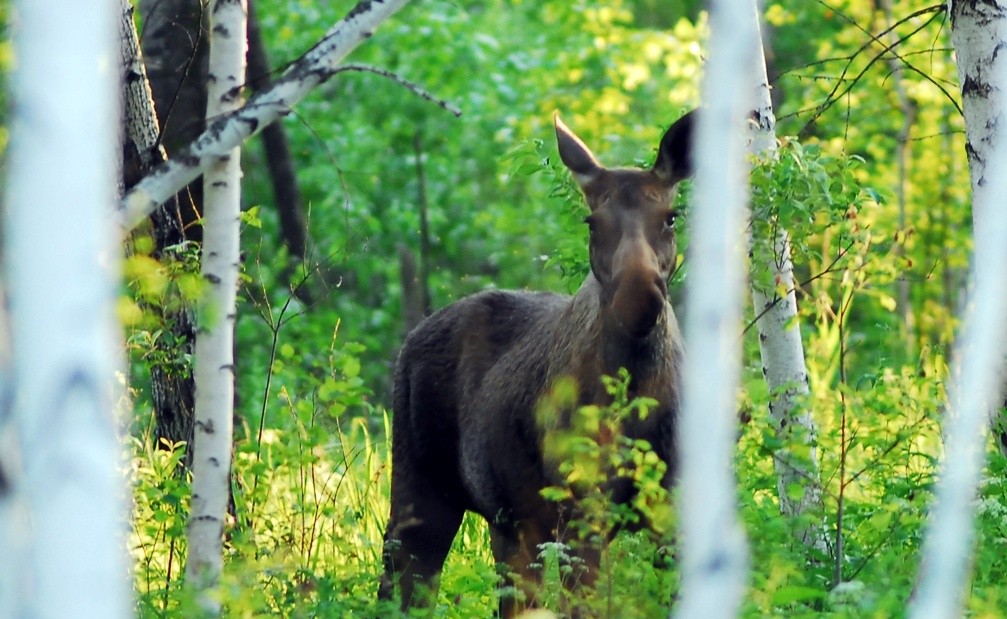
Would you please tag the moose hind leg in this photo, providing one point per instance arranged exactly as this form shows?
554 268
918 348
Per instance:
419 535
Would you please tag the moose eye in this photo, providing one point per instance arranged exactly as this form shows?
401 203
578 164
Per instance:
669 221
590 223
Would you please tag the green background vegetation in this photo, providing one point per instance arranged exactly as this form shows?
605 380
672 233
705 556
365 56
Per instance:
311 452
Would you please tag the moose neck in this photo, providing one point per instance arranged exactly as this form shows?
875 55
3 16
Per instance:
597 347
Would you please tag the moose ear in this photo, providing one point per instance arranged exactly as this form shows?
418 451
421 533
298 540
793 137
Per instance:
576 156
674 156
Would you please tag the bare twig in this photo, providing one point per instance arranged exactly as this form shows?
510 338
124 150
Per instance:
416 89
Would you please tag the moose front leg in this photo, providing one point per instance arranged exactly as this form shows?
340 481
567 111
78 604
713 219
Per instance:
516 551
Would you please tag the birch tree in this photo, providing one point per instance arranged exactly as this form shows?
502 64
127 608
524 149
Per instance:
780 344
171 388
227 131
61 263
214 363
979 34
976 390
714 551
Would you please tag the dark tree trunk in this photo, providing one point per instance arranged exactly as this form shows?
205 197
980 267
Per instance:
171 29
174 47
279 160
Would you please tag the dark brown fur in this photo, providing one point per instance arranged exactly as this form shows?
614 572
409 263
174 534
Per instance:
468 379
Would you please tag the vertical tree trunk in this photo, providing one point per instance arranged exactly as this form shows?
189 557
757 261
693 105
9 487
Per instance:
175 54
62 260
172 388
903 157
215 341
293 227
976 383
781 346
979 35
714 551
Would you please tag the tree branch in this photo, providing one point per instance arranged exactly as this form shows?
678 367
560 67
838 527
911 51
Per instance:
230 130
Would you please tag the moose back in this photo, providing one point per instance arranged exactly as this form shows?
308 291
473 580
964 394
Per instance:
469 378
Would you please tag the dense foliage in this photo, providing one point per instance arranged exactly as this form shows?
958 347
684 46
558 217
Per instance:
871 182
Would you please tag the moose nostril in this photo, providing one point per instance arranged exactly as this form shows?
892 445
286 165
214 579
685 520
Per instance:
638 303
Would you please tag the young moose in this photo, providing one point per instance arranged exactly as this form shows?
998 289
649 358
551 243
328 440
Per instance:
468 379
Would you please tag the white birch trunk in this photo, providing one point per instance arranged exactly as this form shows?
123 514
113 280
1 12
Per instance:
780 341
226 132
214 362
975 391
714 550
978 30
979 34
62 261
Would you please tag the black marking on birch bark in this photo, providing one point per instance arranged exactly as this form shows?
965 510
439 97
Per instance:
213 279
188 160
205 426
77 381
975 87
229 367
717 563
765 370
999 46
214 461
206 518
132 76
253 123
232 94
763 337
971 152
361 8
218 184
221 29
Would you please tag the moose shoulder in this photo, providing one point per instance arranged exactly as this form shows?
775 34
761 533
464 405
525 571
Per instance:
469 378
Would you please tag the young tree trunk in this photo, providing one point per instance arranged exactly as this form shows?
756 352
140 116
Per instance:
979 36
215 341
62 259
228 131
781 347
976 384
903 154
172 388
714 551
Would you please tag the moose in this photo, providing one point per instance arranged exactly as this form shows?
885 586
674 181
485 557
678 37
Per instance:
469 378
